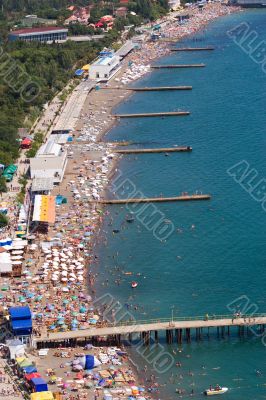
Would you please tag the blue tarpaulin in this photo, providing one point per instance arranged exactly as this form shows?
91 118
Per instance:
39 385
19 313
30 369
79 72
22 327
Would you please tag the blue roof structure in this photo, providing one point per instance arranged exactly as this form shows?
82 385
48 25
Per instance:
19 313
79 72
30 369
22 324
39 385
20 321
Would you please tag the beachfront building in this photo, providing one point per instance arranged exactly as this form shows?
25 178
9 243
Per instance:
49 162
20 322
44 34
105 67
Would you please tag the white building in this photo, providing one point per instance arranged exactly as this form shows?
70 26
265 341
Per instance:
105 67
49 162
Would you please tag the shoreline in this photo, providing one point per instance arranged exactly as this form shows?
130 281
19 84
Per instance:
97 152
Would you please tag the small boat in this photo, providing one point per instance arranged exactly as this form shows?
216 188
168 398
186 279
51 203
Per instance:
134 284
215 391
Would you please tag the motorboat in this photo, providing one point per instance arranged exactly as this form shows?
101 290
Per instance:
215 391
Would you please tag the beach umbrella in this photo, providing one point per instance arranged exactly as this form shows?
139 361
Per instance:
64 279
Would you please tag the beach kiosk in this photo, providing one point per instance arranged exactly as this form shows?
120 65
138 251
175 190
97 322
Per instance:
38 385
42 396
21 323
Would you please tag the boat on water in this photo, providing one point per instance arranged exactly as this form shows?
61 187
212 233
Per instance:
134 284
215 391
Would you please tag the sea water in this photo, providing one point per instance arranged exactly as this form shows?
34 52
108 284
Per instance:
216 255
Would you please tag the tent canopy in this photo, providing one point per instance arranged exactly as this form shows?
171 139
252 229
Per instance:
42 396
28 377
19 313
39 385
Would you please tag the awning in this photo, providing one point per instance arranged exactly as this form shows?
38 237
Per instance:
42 396
79 72
86 67
44 209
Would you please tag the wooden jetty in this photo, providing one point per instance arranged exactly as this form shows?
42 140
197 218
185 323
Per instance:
156 114
175 328
196 197
149 89
178 66
208 48
161 150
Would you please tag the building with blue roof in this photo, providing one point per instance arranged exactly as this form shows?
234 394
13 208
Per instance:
20 322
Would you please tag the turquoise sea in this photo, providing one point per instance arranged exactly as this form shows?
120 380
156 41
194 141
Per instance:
216 252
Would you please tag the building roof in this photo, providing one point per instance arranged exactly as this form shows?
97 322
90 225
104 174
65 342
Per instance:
19 312
125 49
42 184
49 148
38 30
22 324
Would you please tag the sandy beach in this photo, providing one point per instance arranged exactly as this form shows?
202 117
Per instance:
56 280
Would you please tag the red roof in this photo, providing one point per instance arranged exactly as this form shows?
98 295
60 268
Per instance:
36 30
29 377
26 141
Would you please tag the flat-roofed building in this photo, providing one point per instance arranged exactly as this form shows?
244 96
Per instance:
49 162
105 67
44 34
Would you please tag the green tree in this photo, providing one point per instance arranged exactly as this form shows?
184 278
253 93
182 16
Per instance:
3 187
3 220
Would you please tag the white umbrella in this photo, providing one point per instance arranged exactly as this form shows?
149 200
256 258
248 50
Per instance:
64 279
80 278
64 273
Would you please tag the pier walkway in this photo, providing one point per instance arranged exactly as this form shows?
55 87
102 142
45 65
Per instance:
156 114
192 197
160 324
178 66
192 48
148 89
160 150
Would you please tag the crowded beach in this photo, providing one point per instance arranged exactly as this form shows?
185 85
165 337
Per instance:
50 256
